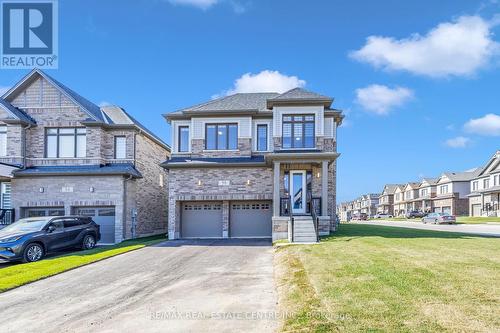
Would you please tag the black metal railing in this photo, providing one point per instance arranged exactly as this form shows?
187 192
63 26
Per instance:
314 213
7 216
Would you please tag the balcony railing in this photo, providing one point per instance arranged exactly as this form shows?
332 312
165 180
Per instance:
7 216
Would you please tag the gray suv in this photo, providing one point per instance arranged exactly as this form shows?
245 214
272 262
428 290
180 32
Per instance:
29 239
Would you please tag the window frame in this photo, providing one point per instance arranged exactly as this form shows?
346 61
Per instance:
217 138
266 125
116 137
179 129
292 130
75 135
3 131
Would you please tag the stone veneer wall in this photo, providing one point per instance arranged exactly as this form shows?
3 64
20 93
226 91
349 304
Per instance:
183 186
244 149
152 195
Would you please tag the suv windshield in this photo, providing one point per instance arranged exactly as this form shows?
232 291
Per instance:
27 225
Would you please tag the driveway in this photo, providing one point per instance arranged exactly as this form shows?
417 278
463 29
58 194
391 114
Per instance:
476 229
176 286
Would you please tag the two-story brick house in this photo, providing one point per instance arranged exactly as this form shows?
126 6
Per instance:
62 154
236 160
484 199
427 192
452 190
386 199
411 197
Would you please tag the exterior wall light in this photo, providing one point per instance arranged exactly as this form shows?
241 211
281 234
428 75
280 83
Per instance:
41 189
318 175
199 182
248 182
92 189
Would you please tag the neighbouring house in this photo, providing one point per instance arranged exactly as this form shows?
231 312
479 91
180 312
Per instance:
369 204
484 199
241 164
411 197
344 211
386 199
452 192
399 201
427 193
61 154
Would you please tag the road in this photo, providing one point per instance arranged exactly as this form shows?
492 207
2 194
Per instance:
176 286
477 229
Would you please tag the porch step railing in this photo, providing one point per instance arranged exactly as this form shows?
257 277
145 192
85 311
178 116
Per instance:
7 216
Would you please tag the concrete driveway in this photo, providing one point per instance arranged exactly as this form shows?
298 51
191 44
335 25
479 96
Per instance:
176 286
475 229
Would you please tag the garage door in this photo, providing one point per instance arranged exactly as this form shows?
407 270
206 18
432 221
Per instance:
476 210
43 211
447 210
201 220
250 219
105 217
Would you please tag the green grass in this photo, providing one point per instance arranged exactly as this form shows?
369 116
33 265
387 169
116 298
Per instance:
20 274
476 220
370 278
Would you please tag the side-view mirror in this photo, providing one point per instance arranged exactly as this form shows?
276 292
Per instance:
51 228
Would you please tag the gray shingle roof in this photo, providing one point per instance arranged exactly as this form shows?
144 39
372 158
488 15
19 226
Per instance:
15 112
462 176
300 93
236 102
211 161
108 169
391 188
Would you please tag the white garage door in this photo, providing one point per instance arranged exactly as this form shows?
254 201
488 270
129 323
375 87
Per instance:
476 210
201 220
447 210
105 217
250 219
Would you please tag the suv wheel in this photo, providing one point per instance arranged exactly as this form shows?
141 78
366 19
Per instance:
33 252
88 242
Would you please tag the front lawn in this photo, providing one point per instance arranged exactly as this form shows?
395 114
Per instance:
386 279
19 274
476 219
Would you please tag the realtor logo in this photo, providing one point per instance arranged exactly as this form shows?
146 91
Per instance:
29 34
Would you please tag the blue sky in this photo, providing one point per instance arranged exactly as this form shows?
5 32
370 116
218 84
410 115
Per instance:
421 96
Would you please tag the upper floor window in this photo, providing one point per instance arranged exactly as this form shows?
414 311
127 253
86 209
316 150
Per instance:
3 140
120 147
397 196
221 136
262 137
298 131
183 139
408 195
475 185
486 183
496 180
65 142
443 189
423 192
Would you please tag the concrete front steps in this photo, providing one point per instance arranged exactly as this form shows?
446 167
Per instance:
303 230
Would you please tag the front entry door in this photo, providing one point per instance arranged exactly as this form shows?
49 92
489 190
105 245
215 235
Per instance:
298 191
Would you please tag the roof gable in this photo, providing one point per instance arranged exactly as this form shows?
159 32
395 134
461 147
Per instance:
299 95
13 113
492 165
85 105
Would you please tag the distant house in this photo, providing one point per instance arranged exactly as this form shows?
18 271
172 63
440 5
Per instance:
427 192
411 197
484 199
399 201
386 199
452 193
369 203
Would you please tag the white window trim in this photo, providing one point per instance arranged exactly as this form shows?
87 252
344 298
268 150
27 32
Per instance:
175 135
269 138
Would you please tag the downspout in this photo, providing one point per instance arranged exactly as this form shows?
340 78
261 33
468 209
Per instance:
25 129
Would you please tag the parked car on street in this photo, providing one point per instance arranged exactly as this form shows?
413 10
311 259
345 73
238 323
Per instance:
360 217
382 216
29 239
414 214
439 218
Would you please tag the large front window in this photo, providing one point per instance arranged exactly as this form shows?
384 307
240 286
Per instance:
298 131
183 139
262 137
66 142
221 137
3 140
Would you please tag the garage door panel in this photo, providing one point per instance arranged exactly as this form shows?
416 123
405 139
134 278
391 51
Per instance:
104 217
476 210
250 219
201 220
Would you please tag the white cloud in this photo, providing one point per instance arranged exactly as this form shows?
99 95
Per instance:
381 99
3 90
201 4
487 125
265 81
457 48
104 103
458 142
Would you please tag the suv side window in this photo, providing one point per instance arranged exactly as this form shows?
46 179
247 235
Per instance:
71 222
58 224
